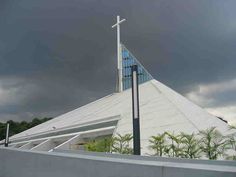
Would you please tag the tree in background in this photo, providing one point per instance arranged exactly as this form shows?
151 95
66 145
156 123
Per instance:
212 143
17 127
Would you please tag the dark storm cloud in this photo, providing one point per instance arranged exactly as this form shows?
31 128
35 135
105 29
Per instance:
57 55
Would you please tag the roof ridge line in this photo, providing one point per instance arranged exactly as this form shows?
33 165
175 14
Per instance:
178 109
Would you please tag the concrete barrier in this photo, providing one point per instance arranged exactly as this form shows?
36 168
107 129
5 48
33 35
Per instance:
152 158
24 163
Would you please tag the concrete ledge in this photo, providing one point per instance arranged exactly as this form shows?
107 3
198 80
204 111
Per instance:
24 163
152 158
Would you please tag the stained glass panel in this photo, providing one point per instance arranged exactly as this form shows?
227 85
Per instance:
127 61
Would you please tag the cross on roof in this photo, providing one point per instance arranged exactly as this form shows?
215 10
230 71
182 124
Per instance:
119 59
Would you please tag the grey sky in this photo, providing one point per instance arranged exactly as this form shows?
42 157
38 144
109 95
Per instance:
56 55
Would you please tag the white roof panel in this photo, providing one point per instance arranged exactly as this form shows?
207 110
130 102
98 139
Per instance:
161 109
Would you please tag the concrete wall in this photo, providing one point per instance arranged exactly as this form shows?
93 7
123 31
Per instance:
24 163
153 158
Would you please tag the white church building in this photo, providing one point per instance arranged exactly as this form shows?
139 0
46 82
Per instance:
161 109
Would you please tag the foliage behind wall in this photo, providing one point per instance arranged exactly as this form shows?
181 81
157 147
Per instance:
209 143
17 127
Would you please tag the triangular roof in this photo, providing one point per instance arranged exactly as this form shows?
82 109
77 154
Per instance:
161 109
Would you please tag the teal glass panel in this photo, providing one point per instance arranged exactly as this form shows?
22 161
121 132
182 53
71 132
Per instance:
127 61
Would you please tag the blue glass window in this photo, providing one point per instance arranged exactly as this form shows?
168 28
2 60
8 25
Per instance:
127 61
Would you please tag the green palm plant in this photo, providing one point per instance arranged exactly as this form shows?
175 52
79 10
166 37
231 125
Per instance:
231 143
99 145
174 147
158 144
232 127
190 146
121 144
212 143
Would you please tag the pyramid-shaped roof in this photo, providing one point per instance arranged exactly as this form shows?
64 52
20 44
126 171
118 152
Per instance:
161 109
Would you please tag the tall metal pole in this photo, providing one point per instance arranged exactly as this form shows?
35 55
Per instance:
135 104
119 57
7 136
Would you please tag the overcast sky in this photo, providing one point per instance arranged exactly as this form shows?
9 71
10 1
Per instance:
56 55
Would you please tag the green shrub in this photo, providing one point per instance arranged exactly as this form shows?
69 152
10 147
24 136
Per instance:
158 144
212 143
190 146
99 145
121 144
174 145
118 144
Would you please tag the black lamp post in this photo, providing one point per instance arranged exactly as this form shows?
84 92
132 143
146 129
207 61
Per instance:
135 104
7 136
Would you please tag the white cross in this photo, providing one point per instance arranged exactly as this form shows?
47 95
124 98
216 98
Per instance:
119 59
